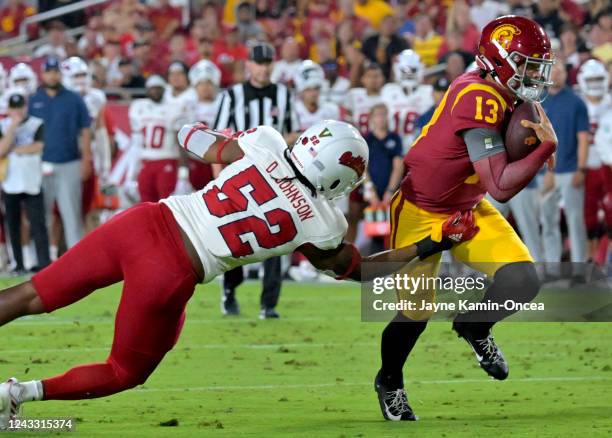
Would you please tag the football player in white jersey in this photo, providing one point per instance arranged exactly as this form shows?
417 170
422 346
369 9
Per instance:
309 80
360 100
407 98
205 78
20 77
336 87
267 202
154 124
76 77
593 82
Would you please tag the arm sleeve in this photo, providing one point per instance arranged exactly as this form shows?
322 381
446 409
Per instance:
503 180
482 143
480 107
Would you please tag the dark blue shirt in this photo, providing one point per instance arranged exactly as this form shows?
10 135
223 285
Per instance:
569 116
64 116
382 153
424 119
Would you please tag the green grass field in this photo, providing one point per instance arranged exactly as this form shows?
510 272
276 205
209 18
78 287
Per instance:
310 373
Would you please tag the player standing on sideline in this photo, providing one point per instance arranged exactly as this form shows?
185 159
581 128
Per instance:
336 87
360 100
593 81
205 78
154 125
407 98
77 77
243 106
269 201
463 147
309 80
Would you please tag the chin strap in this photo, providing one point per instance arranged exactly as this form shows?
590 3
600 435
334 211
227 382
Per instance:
298 175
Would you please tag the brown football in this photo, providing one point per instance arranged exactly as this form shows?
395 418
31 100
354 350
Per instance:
520 141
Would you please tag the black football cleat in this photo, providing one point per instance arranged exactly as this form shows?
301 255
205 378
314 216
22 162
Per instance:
488 354
393 402
268 313
229 303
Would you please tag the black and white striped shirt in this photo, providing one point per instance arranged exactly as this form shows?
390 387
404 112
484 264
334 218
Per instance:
244 106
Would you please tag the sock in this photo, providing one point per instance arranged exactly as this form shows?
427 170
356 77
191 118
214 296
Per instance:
398 339
53 251
30 391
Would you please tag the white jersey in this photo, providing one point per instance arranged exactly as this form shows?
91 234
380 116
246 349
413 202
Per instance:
250 213
338 92
359 103
405 109
325 111
184 103
284 72
154 128
95 100
603 137
207 111
596 110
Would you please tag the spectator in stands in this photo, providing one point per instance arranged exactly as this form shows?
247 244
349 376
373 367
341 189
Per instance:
546 13
601 36
520 7
165 18
248 27
197 33
177 49
383 46
229 54
284 69
374 11
426 41
56 34
67 151
12 15
569 45
21 138
111 55
455 66
593 9
459 21
145 60
453 45
569 117
129 77
91 42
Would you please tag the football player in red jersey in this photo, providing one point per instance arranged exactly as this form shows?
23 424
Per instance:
268 201
458 157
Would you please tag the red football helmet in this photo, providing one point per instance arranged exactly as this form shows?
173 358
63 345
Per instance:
516 52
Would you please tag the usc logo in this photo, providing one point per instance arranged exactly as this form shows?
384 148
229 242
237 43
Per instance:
504 34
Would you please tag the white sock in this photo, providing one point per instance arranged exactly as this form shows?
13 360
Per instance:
31 391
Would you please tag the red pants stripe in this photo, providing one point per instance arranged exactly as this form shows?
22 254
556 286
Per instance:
142 247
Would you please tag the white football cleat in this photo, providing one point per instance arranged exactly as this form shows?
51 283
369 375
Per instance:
9 405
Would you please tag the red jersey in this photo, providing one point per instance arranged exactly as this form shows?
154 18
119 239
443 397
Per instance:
440 175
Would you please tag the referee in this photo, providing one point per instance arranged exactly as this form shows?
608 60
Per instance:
254 103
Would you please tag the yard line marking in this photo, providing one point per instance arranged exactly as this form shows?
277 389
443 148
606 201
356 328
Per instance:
340 384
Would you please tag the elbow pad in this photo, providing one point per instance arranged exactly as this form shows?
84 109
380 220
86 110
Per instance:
196 138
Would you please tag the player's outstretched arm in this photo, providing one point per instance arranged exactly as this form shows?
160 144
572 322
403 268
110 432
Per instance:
209 145
346 261
503 180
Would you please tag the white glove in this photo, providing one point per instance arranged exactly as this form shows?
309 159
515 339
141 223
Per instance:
183 186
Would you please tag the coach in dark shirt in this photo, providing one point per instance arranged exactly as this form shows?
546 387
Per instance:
67 148
254 103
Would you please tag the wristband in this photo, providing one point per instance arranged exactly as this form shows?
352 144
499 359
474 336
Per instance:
355 260
427 247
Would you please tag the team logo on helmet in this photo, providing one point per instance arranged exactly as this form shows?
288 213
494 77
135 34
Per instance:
504 33
357 163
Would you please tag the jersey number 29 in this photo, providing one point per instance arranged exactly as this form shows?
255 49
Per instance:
232 200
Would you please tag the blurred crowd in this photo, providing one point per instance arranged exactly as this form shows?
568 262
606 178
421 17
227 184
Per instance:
383 65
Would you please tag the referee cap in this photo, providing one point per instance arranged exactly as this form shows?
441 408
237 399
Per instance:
261 52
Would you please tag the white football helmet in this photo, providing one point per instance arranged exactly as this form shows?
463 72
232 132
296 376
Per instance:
408 70
309 75
333 156
204 70
22 76
593 78
76 75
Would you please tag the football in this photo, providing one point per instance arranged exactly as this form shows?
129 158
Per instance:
520 141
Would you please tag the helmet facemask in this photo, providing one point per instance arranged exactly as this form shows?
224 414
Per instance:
595 86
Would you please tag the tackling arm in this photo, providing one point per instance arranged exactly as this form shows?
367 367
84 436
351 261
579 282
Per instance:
208 145
346 261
